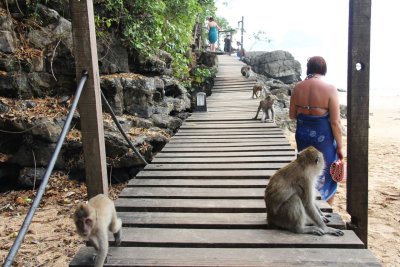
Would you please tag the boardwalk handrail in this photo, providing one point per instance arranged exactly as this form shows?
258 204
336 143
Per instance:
109 108
28 219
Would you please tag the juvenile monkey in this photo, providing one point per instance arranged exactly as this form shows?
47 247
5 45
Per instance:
257 88
289 196
267 105
244 70
94 220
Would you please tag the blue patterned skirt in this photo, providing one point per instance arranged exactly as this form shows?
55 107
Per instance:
213 35
316 131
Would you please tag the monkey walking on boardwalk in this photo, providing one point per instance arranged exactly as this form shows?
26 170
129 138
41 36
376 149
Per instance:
267 106
257 88
94 220
289 196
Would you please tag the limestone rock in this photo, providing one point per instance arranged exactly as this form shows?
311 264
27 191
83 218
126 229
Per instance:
29 177
113 90
165 121
113 57
208 59
7 44
55 28
279 65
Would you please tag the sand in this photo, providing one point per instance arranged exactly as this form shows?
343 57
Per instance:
384 180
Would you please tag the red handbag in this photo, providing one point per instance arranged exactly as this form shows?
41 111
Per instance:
338 171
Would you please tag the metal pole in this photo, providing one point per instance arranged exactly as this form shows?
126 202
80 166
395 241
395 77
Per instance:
109 108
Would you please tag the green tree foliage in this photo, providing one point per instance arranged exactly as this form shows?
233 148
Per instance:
148 26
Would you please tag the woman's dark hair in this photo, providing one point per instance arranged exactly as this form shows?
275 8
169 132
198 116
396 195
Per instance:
211 19
316 65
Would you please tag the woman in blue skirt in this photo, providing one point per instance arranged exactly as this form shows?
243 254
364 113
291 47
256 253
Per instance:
315 105
213 29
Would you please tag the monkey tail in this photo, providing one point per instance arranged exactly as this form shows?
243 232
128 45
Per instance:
115 225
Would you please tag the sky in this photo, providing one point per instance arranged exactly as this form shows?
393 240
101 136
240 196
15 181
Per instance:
308 28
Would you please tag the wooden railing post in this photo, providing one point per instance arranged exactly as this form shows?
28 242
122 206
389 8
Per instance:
85 53
358 115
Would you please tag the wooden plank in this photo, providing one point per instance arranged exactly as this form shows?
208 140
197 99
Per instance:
199 192
235 238
264 159
233 82
234 96
216 166
205 174
90 111
208 193
228 90
229 131
228 144
226 136
226 154
222 120
229 257
230 140
239 97
225 132
199 129
207 220
206 183
198 205
222 87
358 115
226 149
228 126
218 117
203 183
230 134
213 120
229 84
249 111
230 80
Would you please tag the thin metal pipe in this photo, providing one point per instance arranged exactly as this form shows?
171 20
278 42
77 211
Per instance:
28 219
109 108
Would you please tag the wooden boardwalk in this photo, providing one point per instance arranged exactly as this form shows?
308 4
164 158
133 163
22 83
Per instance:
200 201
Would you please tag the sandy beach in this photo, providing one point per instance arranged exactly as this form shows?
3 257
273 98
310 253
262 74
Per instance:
384 180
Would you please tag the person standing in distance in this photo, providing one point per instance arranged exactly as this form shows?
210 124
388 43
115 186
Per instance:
213 29
314 103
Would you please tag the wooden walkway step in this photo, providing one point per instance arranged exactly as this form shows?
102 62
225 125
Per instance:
231 257
200 201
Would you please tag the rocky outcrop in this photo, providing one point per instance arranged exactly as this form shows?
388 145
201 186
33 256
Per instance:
44 64
150 104
28 144
279 65
144 96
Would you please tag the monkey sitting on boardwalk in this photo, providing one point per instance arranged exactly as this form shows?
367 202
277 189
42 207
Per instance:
267 106
289 196
94 220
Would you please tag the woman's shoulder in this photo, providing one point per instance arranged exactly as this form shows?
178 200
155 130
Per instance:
328 86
